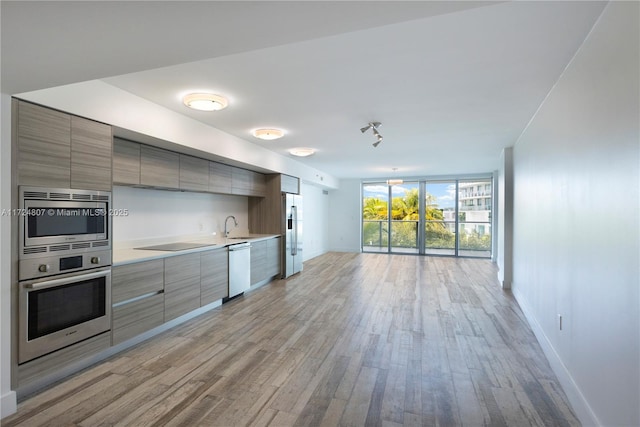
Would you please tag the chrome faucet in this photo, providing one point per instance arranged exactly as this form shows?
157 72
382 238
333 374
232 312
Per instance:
226 233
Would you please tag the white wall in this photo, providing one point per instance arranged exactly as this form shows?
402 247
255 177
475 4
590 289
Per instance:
155 214
316 221
345 217
576 222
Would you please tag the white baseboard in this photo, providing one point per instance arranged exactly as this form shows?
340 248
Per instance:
8 404
578 402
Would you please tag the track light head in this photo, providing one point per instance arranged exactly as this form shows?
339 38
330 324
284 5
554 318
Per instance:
374 127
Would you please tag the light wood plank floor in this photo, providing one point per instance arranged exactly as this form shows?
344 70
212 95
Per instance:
354 340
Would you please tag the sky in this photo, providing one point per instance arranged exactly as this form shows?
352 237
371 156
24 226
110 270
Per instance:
445 193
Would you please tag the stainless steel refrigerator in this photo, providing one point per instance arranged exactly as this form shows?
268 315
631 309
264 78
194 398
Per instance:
293 233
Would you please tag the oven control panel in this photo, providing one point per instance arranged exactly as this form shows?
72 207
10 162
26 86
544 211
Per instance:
52 265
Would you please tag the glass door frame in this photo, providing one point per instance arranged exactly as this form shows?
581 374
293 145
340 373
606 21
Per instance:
422 210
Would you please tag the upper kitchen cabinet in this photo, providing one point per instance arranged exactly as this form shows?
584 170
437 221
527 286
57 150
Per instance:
43 146
219 178
289 184
159 168
58 150
126 162
91 146
247 183
194 173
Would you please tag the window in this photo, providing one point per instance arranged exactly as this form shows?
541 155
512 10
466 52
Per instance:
428 217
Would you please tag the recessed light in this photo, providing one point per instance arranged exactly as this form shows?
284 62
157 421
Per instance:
268 134
302 151
205 101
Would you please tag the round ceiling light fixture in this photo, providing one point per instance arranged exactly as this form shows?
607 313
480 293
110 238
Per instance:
205 101
302 151
268 134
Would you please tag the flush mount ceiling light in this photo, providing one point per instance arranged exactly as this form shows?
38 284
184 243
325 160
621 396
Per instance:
302 151
374 127
205 101
394 181
268 134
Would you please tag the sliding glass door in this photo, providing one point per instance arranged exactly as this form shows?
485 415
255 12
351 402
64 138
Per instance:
475 199
375 217
390 217
440 218
405 216
444 217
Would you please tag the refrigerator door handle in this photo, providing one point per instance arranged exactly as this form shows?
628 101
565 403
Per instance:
294 244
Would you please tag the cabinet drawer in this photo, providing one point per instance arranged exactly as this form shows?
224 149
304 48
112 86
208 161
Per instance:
137 317
134 280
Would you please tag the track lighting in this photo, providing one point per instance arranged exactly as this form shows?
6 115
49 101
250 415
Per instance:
374 126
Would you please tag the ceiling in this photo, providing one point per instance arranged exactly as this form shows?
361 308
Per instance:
453 83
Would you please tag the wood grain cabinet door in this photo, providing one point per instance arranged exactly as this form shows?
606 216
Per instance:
258 184
240 181
137 297
91 148
159 168
274 254
126 162
44 146
219 178
214 275
258 261
194 173
181 285
131 281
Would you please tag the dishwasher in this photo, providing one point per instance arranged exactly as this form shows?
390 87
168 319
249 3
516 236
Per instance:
239 268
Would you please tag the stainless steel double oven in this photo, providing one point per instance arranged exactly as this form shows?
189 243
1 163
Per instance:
64 268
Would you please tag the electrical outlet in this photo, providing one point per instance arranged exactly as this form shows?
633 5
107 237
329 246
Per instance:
560 321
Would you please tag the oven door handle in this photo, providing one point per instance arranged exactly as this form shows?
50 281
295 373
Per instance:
65 280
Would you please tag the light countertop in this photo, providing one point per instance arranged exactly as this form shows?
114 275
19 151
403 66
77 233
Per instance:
124 255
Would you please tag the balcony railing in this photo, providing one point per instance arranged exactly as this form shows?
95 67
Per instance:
440 237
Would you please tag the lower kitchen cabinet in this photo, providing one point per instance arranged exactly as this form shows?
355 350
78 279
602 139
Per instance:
138 299
134 280
274 255
265 260
134 318
258 261
214 275
181 285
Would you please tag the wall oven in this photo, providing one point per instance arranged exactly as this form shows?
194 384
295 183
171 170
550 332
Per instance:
64 268
59 311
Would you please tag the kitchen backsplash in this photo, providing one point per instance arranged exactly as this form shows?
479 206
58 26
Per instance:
141 215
